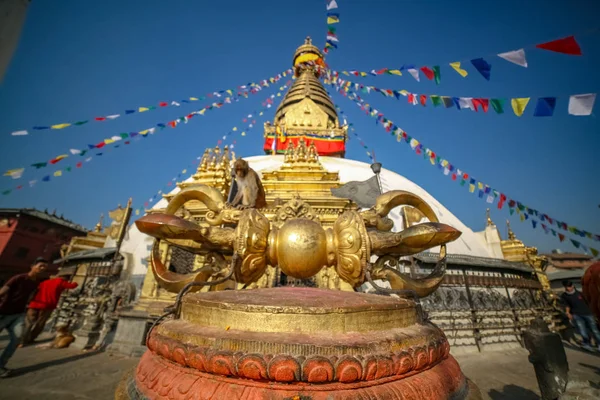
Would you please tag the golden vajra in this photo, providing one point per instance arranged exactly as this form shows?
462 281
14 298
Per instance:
299 245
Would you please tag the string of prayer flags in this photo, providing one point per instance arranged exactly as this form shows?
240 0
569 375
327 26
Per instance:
252 86
451 170
566 45
581 104
519 105
515 57
332 40
145 132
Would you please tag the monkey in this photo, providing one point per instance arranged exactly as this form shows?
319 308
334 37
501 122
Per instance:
250 191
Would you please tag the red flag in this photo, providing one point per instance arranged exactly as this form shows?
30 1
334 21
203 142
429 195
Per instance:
561 237
100 145
428 72
411 98
19 187
566 45
501 201
100 119
172 124
127 142
423 99
382 71
484 103
163 104
79 164
453 177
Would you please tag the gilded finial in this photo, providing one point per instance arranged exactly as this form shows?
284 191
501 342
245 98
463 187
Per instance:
301 150
308 40
204 162
511 234
289 153
313 156
98 228
489 218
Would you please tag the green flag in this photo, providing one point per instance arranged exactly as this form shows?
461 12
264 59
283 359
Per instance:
78 123
498 105
436 74
436 100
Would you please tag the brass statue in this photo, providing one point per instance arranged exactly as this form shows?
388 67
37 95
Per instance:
300 246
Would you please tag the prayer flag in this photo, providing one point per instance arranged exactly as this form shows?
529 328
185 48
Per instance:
483 103
566 45
466 102
59 126
545 107
332 5
79 123
332 20
483 67
423 99
457 68
15 173
515 57
39 165
428 72
415 74
142 109
58 158
436 100
519 105
46 178
394 72
436 74
582 104
20 133
75 151
447 101
498 105
58 173
129 111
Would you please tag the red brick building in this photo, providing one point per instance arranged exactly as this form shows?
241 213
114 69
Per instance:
26 234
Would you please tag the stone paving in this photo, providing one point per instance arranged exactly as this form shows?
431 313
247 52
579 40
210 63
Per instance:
69 374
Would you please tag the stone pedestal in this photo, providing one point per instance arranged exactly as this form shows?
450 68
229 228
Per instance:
286 343
130 335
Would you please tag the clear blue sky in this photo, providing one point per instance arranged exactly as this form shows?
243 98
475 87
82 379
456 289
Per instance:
82 59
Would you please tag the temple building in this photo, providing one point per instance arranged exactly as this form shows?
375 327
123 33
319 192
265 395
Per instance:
26 234
492 288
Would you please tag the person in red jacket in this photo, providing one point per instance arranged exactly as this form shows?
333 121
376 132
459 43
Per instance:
42 305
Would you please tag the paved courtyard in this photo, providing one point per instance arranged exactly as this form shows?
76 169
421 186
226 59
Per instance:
70 374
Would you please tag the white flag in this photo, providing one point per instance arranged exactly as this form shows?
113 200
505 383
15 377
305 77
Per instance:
414 99
15 173
115 138
31 183
490 198
113 116
331 6
446 171
75 151
174 103
515 57
332 38
466 102
415 74
581 104
20 133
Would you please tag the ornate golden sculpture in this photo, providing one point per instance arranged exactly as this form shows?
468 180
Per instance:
296 243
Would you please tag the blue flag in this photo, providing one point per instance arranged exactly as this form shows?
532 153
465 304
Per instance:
483 67
545 107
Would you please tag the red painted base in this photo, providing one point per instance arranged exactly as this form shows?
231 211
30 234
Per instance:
157 378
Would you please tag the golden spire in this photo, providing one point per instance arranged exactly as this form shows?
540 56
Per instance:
99 224
511 234
489 218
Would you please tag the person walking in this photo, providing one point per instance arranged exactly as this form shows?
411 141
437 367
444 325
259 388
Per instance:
14 296
42 305
580 313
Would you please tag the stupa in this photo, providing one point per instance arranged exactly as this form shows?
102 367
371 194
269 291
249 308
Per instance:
232 333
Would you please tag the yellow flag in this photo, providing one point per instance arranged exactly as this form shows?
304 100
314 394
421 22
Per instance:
395 72
234 128
471 188
60 126
58 173
519 105
479 185
230 92
109 141
137 212
142 109
184 171
345 73
332 20
522 217
404 92
193 98
260 113
201 112
457 68
278 94
243 133
144 132
363 74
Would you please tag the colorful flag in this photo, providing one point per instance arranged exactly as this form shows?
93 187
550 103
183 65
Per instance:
515 57
519 105
483 67
436 74
498 105
15 173
545 107
457 68
566 45
582 104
